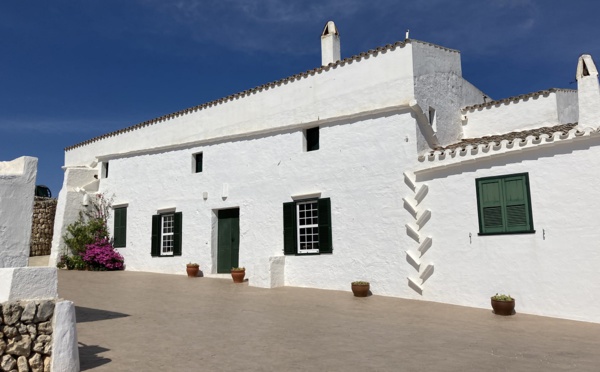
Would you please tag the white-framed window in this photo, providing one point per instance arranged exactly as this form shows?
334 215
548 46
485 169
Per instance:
166 234
307 214
307 227
167 227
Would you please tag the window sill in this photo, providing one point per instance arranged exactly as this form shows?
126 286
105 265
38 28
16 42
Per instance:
508 233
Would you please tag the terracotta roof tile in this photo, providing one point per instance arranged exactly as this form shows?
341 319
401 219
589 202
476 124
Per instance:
496 139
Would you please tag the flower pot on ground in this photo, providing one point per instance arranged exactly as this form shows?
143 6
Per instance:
360 288
192 270
238 273
503 304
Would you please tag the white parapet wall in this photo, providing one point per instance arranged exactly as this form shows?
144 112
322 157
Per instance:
17 188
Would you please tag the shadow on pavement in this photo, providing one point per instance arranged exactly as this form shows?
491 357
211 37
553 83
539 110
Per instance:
86 314
89 358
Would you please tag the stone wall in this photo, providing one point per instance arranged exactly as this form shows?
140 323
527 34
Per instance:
42 226
26 335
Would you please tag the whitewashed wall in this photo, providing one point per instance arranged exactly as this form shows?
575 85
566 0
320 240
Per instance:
553 272
17 189
357 166
521 114
70 203
370 84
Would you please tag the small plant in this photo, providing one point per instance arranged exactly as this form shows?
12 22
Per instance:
238 269
502 297
360 282
193 264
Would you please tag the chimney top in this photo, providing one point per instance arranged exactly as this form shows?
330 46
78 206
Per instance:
330 29
330 44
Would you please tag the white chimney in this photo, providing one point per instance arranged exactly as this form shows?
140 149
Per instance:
330 44
588 92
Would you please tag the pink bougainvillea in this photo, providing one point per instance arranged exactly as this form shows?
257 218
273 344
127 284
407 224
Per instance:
101 255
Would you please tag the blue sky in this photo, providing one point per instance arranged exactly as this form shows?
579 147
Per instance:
73 70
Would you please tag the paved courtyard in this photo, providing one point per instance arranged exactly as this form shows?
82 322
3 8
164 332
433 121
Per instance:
130 321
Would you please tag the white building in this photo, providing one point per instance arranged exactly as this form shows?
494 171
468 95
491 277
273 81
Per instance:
373 167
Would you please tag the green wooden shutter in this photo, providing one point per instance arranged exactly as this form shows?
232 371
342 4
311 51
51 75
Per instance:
177 234
490 201
516 203
120 230
289 228
156 233
325 242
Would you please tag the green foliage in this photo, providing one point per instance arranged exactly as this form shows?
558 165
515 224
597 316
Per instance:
360 282
91 226
238 269
502 297
83 232
74 262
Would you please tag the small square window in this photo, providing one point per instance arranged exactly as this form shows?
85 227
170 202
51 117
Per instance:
197 160
312 139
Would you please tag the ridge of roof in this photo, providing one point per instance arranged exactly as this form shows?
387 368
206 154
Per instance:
231 97
516 99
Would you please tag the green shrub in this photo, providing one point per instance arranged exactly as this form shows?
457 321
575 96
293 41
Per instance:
91 226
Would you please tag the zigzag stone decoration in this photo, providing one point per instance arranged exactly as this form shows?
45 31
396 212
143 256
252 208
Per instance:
420 216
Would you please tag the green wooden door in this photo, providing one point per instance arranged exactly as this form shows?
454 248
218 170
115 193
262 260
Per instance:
228 251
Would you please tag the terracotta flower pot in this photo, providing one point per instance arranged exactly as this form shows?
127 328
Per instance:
360 290
503 307
192 271
238 275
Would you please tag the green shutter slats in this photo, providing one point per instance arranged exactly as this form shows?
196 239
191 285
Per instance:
120 227
156 228
289 228
177 234
517 202
491 206
325 240
492 217
504 204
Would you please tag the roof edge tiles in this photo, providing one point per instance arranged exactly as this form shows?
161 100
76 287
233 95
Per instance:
515 99
298 76
508 141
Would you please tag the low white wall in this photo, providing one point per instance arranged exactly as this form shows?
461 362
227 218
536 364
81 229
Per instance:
553 272
17 189
28 283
